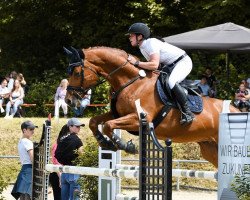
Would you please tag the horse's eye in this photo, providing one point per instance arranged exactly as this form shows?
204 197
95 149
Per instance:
69 71
77 74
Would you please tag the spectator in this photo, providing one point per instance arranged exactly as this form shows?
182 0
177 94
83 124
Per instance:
16 99
248 81
85 101
4 93
245 83
54 177
211 81
22 187
66 153
204 87
60 98
12 78
21 79
242 98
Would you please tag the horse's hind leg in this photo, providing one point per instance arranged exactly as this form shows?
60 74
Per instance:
209 151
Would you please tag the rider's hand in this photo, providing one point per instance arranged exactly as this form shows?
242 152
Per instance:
131 59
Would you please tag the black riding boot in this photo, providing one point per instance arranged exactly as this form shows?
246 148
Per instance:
181 98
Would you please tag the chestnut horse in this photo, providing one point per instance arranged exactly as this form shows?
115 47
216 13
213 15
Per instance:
86 69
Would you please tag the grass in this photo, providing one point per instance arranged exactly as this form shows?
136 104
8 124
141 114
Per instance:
10 133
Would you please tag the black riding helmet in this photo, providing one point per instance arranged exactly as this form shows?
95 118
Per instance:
140 28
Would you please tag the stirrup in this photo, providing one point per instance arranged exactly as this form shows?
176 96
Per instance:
186 118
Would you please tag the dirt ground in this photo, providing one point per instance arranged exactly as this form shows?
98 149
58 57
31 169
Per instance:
177 195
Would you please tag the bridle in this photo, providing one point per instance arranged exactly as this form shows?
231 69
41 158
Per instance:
78 91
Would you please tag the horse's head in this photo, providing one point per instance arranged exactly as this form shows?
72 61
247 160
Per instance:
87 67
79 70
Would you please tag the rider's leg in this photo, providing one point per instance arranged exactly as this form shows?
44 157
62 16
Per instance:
181 97
179 73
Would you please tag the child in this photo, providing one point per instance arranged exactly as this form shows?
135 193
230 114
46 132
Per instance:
23 185
4 93
242 98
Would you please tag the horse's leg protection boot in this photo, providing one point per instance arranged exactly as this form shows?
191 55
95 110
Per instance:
181 98
128 147
105 143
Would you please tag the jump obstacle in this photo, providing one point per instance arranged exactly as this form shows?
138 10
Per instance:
154 174
235 123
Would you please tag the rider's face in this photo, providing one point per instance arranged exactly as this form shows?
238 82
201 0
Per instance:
132 39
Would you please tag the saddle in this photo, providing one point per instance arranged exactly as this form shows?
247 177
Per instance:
195 102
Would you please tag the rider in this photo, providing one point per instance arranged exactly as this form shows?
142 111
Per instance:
171 57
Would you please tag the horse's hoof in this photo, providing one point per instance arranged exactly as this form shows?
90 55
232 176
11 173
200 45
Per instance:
104 142
109 145
131 148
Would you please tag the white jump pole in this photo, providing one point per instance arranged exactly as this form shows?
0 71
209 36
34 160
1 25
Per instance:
92 171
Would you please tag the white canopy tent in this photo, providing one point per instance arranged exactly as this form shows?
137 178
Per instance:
227 37
224 37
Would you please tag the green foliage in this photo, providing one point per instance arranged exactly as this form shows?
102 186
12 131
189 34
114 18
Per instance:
241 186
42 92
89 158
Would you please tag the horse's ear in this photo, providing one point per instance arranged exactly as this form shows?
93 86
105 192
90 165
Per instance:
81 53
76 54
68 52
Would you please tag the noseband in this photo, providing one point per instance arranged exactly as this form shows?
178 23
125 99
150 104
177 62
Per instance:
79 91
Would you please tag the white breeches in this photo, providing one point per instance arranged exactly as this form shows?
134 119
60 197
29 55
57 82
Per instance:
180 71
60 103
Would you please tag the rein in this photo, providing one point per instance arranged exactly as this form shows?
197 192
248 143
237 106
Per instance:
116 93
117 69
78 91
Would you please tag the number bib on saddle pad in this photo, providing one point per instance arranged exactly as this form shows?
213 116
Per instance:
195 102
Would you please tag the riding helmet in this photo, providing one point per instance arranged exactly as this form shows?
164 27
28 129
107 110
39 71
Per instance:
140 28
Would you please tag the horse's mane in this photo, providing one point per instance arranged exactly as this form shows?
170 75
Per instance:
119 51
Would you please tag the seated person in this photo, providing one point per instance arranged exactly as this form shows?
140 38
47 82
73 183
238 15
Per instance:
60 98
11 80
245 83
16 99
84 102
21 79
211 81
242 98
4 93
204 87
248 82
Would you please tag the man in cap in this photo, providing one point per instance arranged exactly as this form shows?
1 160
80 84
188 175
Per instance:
22 187
66 153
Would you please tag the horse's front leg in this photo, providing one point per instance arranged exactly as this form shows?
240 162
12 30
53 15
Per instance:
129 123
93 125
